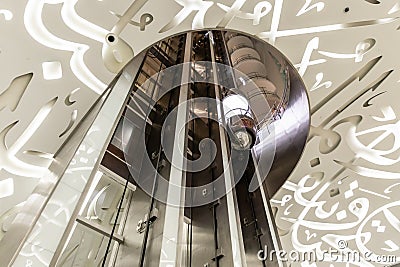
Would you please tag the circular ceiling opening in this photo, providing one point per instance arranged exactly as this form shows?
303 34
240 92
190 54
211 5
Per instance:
203 92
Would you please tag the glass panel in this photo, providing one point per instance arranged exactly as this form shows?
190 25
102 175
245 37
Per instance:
86 247
88 243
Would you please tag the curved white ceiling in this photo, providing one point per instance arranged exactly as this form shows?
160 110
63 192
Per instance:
346 186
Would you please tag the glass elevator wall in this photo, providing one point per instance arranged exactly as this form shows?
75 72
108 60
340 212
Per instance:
121 224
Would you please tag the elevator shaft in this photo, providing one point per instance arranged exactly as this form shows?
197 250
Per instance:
189 154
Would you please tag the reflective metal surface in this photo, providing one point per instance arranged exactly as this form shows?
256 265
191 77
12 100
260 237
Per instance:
291 132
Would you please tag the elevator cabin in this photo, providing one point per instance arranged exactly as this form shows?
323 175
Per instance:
214 123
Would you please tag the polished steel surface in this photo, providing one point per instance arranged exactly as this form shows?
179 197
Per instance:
291 133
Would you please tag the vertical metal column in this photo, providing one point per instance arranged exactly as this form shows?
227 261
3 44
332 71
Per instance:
172 233
238 253
268 212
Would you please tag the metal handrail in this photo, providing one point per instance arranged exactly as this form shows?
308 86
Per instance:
243 58
241 111
277 110
264 92
254 75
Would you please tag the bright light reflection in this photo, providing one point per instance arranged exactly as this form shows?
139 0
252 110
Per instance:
6 187
235 105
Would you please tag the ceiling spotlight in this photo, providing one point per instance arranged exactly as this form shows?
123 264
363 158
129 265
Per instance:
244 140
239 121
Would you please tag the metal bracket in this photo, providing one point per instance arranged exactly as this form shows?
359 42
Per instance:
141 225
247 222
219 254
215 203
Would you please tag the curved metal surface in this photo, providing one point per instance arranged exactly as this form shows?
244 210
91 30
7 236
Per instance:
291 132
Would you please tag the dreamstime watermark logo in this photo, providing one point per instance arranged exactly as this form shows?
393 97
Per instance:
343 254
342 244
141 161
